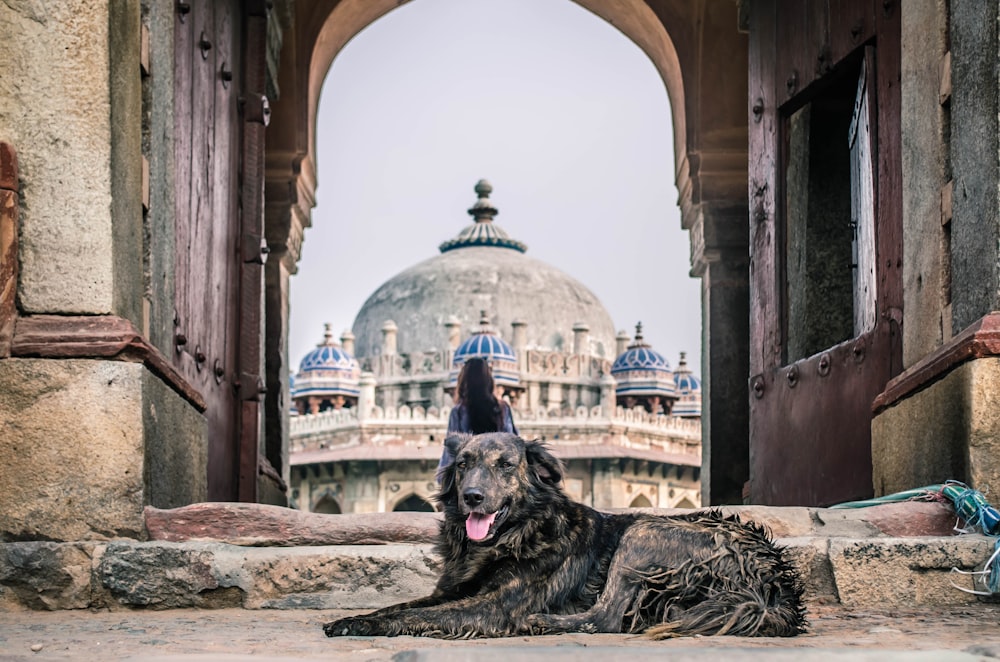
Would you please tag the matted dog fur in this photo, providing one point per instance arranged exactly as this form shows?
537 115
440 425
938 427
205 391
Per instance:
520 557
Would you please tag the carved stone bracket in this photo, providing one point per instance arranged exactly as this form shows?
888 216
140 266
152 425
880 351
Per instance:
980 340
96 337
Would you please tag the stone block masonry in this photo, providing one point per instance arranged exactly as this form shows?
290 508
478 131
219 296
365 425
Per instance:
845 558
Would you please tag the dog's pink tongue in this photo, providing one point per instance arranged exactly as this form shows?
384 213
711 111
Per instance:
478 525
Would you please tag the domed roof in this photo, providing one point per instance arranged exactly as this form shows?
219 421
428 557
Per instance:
641 370
484 344
327 370
487 345
685 379
688 390
482 269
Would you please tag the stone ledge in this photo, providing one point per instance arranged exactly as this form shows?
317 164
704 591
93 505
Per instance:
259 525
872 572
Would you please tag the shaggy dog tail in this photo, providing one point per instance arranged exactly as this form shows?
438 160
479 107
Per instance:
741 613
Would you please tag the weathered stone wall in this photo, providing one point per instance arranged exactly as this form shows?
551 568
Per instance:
905 547
925 172
949 430
87 444
56 109
975 137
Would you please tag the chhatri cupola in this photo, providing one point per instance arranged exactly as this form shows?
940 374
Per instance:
328 377
643 378
485 344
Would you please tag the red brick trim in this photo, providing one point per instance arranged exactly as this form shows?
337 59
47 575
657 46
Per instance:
979 340
99 336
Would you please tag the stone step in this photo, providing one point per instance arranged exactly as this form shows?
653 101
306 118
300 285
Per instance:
844 559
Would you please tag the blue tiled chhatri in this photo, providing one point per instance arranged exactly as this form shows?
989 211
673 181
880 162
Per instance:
486 344
642 371
327 370
688 391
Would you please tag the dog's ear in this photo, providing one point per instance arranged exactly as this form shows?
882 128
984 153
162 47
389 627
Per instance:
453 443
545 465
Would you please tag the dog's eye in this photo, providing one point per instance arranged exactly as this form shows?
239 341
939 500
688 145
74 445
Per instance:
460 465
506 464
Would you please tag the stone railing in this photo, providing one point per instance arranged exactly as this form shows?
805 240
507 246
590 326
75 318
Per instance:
633 419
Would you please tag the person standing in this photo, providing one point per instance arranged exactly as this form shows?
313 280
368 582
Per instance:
477 408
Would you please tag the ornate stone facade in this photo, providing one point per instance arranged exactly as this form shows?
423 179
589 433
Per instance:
614 428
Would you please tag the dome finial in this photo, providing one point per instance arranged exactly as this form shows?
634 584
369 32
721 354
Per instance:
484 321
484 232
638 341
327 335
483 188
483 211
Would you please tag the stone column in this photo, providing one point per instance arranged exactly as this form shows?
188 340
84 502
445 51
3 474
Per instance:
608 403
975 141
725 364
104 437
366 398
453 329
622 341
581 338
347 341
519 335
389 330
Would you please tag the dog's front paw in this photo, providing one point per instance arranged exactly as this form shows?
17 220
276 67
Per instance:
537 624
352 626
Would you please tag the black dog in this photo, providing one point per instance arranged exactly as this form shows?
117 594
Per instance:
521 558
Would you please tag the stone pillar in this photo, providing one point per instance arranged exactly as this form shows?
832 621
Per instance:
725 365
581 338
453 329
87 443
606 475
925 172
366 398
519 335
975 141
347 341
622 341
389 329
555 396
608 403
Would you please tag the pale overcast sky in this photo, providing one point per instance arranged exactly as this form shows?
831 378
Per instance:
566 117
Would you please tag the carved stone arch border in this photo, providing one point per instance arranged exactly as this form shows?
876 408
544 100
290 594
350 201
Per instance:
701 55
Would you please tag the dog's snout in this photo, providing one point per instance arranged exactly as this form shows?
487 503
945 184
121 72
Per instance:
473 496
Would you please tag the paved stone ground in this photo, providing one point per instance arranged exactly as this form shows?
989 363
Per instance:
236 635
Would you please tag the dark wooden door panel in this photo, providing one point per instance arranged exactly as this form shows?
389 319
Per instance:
207 159
810 426
810 417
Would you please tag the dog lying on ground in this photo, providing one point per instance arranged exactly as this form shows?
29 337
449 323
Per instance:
521 558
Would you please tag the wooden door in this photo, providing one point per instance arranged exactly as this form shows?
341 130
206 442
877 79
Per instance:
212 331
826 290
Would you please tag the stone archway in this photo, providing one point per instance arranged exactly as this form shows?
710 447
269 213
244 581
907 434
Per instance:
707 91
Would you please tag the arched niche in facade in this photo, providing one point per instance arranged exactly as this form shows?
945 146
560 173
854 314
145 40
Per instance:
641 501
327 505
413 503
